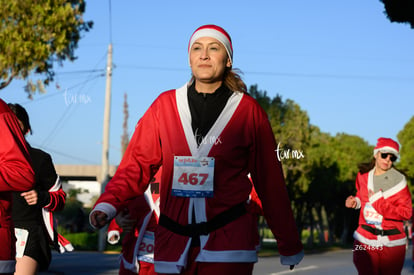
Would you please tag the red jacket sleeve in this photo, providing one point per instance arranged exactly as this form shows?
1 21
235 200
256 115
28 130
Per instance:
268 179
113 226
16 173
139 164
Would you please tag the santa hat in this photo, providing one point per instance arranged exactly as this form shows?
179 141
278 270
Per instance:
387 145
215 32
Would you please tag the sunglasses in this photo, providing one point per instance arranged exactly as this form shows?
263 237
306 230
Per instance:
392 157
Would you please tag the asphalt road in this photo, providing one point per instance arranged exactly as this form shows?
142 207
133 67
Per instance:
335 262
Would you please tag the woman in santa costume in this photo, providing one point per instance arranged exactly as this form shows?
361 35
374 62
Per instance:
208 135
384 201
16 174
33 209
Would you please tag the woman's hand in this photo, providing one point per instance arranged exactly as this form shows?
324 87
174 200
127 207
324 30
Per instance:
125 221
98 219
30 197
350 202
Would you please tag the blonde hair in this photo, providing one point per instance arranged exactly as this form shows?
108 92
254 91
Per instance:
231 79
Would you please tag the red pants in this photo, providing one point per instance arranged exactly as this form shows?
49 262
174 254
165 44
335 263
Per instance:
381 260
203 268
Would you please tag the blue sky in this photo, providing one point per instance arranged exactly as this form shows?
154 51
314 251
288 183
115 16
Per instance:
343 62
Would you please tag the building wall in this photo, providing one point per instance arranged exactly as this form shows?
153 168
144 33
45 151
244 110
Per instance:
84 177
90 190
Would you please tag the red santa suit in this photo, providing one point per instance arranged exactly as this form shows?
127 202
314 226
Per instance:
137 255
16 174
380 236
241 142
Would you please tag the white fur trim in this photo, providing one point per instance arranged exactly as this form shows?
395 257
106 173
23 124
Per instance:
115 234
215 131
380 241
358 201
395 189
376 197
208 32
292 260
173 267
227 256
133 267
105 207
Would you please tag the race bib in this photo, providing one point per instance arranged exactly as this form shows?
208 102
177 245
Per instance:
21 241
371 215
193 177
146 248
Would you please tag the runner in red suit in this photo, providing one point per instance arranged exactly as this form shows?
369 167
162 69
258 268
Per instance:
16 174
384 201
208 135
138 220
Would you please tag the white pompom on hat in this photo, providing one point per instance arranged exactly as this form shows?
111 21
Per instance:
387 145
215 32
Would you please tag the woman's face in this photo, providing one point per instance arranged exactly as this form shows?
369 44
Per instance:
208 60
383 164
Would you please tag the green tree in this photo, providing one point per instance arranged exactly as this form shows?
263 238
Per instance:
406 139
319 169
292 131
322 174
261 97
36 34
400 11
350 151
333 168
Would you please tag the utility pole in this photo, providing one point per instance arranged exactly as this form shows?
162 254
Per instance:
105 141
107 117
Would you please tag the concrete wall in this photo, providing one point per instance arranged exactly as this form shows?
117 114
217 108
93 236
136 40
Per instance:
84 177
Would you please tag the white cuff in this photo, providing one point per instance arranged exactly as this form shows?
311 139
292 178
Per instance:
113 237
358 201
292 260
107 208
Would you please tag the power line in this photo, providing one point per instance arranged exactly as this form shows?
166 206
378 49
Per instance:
59 124
83 72
65 116
64 154
50 94
286 74
337 76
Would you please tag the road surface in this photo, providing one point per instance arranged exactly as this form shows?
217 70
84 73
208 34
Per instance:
337 262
